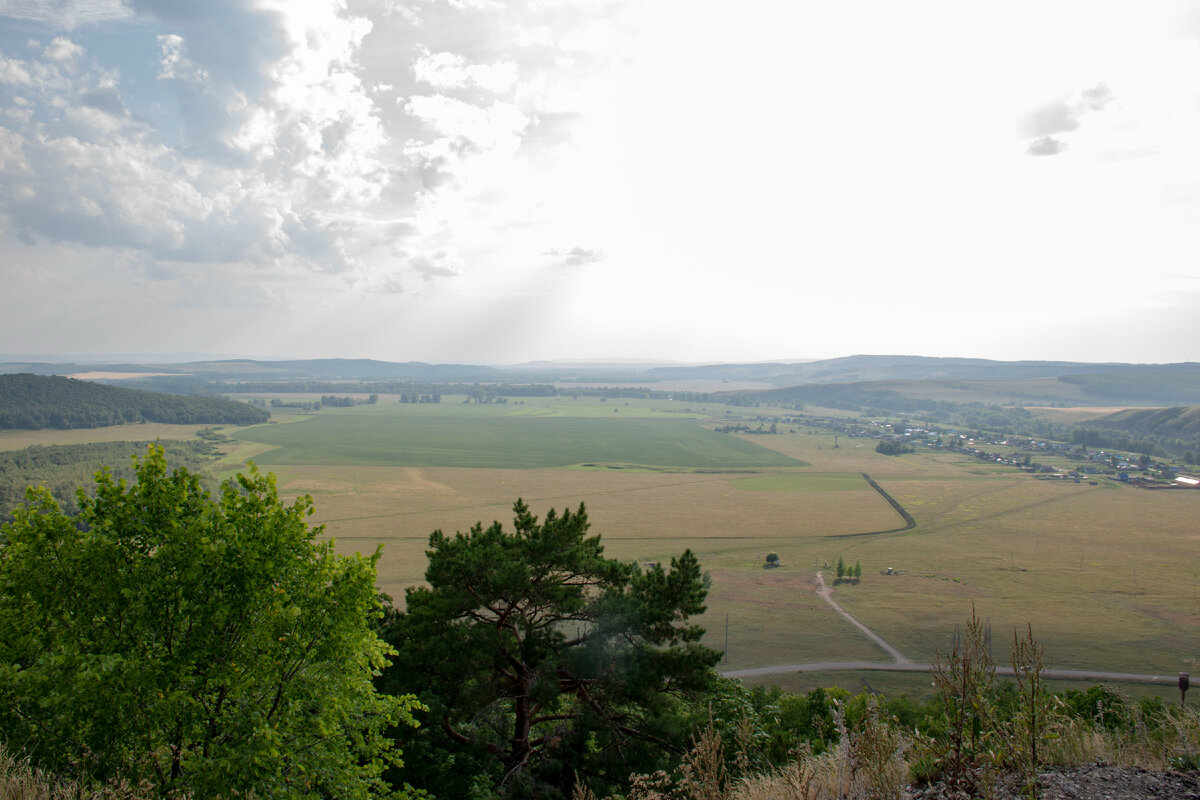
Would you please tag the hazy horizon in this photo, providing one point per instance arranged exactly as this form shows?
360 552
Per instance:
181 358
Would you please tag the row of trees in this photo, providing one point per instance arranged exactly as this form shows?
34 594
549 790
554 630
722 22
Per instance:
848 573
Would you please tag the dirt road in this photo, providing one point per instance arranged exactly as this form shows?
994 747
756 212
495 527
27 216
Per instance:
900 663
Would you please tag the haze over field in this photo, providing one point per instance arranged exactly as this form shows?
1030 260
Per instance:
488 181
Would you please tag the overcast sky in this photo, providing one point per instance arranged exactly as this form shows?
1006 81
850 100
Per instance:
496 181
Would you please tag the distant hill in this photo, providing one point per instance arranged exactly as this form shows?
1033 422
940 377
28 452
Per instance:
854 369
34 402
1181 422
908 377
249 369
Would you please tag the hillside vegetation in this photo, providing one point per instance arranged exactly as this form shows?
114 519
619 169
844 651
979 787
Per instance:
1180 422
62 468
34 402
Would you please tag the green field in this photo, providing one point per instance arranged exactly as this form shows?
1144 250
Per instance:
474 436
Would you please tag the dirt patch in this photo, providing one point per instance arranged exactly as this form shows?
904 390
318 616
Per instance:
1084 783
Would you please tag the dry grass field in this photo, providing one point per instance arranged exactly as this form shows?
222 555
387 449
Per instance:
1106 574
17 439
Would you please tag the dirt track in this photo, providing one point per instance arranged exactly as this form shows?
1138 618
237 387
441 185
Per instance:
900 663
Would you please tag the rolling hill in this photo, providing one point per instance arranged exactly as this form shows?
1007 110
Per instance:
33 402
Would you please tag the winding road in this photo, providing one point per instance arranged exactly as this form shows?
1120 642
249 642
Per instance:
900 663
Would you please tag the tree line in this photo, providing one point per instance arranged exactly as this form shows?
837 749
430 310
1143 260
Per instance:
35 402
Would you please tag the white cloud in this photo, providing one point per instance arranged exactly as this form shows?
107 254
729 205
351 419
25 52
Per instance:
498 125
63 51
272 179
65 14
439 264
575 257
1046 146
449 71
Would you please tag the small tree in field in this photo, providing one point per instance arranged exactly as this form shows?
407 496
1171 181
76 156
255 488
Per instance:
772 559
841 568
857 571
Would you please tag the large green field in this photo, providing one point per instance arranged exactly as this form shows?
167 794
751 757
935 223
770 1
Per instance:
512 437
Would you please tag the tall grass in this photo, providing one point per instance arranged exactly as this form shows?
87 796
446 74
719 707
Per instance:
19 780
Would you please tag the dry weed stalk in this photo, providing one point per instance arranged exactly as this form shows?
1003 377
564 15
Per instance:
964 678
19 780
878 749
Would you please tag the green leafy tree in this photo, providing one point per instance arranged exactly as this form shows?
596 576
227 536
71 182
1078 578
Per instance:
209 646
841 568
541 658
857 570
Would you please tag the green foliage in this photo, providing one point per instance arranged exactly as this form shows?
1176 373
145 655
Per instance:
64 468
539 657
772 560
893 448
35 402
209 646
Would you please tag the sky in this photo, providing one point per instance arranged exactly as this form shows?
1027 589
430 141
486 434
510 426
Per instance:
500 181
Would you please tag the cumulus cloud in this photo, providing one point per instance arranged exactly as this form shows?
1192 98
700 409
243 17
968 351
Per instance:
276 151
574 257
439 264
63 51
449 71
1046 146
496 125
1059 116
1097 97
276 138
1054 117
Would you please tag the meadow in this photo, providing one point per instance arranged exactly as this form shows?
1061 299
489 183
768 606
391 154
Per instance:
553 434
1105 574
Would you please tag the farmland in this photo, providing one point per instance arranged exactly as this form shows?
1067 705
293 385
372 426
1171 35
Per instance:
1104 573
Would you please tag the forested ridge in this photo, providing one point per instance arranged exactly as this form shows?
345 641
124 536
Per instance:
34 402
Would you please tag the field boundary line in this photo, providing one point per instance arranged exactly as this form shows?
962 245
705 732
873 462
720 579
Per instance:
909 521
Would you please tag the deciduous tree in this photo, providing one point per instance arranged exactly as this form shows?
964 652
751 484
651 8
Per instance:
209 646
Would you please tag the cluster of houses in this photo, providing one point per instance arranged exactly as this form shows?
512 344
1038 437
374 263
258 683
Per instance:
1019 452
